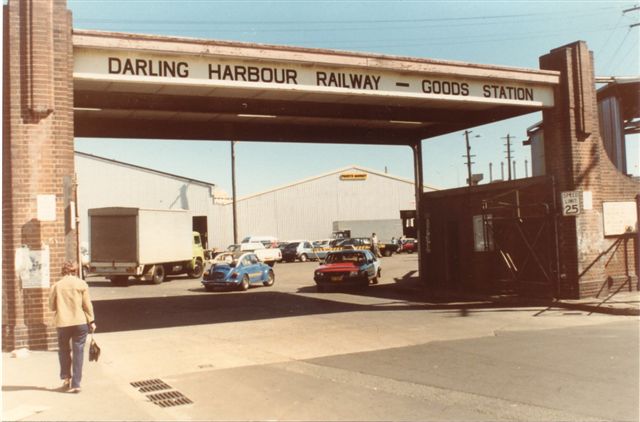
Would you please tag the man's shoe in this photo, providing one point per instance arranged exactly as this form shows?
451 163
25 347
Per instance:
74 390
66 384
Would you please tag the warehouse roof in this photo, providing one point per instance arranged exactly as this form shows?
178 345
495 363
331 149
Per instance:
337 171
147 169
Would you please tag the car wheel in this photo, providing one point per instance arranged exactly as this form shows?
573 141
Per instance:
158 274
271 278
375 279
303 257
244 285
387 252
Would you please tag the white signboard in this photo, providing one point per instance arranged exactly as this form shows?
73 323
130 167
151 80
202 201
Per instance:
619 218
217 72
571 202
46 207
38 270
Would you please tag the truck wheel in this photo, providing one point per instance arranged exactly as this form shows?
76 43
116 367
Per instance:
271 263
244 285
387 252
271 278
158 274
197 270
303 257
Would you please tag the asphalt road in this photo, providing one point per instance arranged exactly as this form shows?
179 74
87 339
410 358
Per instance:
289 353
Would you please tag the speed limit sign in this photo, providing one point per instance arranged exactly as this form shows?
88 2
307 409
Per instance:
571 202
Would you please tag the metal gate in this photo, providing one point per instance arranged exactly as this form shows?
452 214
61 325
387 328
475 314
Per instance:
521 229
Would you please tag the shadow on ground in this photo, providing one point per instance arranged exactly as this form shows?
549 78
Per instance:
263 303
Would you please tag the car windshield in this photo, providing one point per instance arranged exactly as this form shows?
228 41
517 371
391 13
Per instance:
345 257
293 245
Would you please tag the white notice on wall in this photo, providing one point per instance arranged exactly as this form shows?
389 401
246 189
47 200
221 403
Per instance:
39 270
619 218
46 207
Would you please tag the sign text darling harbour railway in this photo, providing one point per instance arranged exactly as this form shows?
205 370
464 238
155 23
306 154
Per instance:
321 78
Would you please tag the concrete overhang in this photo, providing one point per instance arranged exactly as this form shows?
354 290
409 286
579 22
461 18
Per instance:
140 86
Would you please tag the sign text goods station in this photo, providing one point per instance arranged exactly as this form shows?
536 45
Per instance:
224 72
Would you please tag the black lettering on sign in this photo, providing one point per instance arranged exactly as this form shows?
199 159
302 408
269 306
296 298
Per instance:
445 87
253 74
348 80
507 92
148 67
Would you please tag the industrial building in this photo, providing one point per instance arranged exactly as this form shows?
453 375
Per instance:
305 209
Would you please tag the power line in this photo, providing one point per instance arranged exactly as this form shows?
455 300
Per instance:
318 22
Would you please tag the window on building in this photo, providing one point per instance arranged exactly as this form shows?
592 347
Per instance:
483 233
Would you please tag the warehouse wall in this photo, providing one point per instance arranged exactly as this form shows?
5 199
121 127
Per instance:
307 209
108 183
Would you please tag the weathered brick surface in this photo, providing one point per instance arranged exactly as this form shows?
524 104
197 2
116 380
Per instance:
37 158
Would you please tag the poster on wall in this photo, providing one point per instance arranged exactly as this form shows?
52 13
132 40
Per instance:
619 218
38 268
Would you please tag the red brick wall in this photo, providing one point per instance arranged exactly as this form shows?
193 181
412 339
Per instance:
37 158
575 155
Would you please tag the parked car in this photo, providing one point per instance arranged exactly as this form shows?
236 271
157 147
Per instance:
268 255
267 241
347 268
322 243
302 250
237 271
408 245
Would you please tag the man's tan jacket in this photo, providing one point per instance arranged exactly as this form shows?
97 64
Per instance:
69 299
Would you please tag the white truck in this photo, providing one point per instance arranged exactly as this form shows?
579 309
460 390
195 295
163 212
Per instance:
143 243
267 255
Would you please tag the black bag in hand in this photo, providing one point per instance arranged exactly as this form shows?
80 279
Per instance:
94 350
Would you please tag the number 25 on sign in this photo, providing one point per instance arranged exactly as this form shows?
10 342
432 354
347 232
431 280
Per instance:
571 202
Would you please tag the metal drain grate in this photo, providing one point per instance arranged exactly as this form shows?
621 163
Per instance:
169 399
162 398
147 386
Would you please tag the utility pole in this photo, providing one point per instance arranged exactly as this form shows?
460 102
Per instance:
526 168
233 192
514 170
466 138
490 172
469 162
508 138
501 170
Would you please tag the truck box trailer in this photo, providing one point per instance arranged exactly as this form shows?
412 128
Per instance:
144 243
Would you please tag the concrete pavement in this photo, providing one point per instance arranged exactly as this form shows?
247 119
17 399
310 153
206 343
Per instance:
30 382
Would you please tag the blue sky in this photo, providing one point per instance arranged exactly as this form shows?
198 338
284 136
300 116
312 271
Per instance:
510 33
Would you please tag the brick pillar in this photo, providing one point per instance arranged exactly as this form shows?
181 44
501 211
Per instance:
37 160
575 156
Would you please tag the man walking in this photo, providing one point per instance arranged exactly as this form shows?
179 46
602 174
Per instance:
69 299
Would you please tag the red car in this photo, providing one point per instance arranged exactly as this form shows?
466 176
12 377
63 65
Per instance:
347 268
408 245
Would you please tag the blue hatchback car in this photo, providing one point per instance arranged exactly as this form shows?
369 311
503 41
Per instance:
238 272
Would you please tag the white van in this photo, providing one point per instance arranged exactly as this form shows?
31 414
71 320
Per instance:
267 241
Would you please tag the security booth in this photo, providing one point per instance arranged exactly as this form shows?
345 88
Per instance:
62 83
571 232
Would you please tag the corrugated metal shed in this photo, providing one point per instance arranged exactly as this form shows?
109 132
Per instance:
302 210
103 182
308 208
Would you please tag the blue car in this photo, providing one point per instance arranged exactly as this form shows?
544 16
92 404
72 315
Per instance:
237 272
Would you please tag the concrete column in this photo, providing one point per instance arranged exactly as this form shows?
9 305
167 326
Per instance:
38 162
